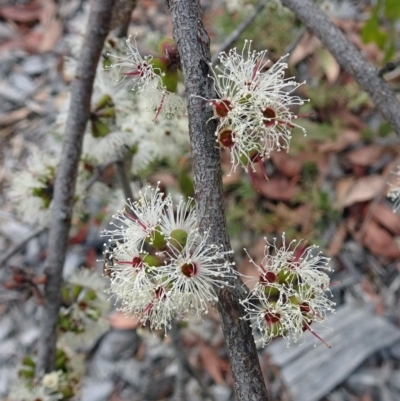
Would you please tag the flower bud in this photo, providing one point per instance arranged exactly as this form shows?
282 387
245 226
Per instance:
156 239
178 238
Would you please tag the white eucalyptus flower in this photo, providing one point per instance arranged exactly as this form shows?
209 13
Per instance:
21 391
139 69
253 106
195 274
139 221
178 275
290 293
31 188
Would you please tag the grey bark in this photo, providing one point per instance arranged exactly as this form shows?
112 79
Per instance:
64 187
194 49
121 16
350 59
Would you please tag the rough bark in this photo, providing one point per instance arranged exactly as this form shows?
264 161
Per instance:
350 59
194 49
64 187
121 16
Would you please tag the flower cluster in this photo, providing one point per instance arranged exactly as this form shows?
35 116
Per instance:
253 106
31 188
62 383
161 267
394 192
290 293
82 316
154 77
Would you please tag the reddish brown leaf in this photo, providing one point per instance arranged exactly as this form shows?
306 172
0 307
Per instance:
380 242
345 138
212 363
51 35
22 13
277 188
337 240
51 26
306 46
365 156
349 191
384 215
288 165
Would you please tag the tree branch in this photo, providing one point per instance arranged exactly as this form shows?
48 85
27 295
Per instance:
121 16
20 245
123 179
194 49
64 187
234 36
349 58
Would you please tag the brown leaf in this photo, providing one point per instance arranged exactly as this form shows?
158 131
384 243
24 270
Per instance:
337 240
212 363
365 156
306 46
288 165
349 191
14 116
329 65
380 242
290 216
345 138
51 35
277 188
51 26
384 215
22 13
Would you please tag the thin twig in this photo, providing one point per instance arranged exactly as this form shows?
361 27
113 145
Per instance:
123 179
194 50
349 58
64 187
388 67
121 17
291 46
20 245
183 362
97 174
179 393
234 36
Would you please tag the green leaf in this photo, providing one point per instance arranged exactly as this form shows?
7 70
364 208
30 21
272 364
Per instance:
371 32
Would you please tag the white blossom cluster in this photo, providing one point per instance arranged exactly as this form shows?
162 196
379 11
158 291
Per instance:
394 192
147 127
22 391
160 265
31 188
290 293
149 78
82 316
253 107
